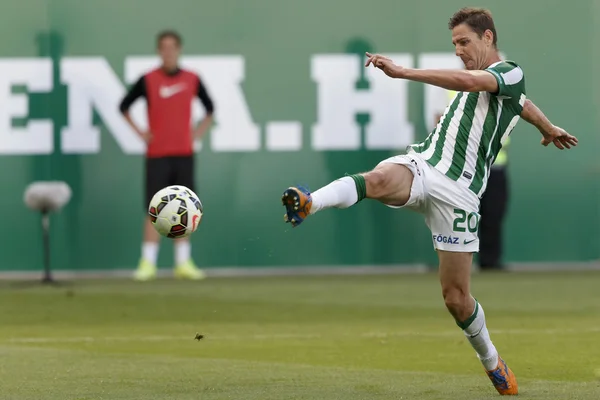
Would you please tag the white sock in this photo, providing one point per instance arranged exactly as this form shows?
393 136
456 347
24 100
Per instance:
479 337
183 251
150 252
340 193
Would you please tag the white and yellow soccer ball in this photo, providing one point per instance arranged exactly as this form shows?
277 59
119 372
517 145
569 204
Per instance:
175 211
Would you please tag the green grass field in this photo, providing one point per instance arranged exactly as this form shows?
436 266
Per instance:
318 338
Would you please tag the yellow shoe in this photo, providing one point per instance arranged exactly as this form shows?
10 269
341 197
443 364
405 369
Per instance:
145 271
503 379
188 270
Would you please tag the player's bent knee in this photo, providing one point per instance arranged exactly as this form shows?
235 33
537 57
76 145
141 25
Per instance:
377 181
457 301
390 183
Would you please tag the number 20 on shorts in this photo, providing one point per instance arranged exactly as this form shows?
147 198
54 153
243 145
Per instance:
464 221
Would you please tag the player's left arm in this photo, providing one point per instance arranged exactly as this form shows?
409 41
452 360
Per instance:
550 132
209 107
458 80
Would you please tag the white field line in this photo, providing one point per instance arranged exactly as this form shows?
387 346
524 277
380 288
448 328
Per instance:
367 335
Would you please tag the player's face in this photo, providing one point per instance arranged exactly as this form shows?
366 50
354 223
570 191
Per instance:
472 50
169 50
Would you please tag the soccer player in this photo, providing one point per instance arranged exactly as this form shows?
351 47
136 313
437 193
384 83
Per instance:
169 91
444 177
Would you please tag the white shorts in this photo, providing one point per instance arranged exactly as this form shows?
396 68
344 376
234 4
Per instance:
451 211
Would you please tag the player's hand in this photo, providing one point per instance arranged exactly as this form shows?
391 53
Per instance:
199 133
561 138
146 136
384 64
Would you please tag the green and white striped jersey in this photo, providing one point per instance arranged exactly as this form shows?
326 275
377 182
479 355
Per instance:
466 141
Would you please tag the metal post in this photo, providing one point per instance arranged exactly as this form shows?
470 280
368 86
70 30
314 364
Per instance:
46 232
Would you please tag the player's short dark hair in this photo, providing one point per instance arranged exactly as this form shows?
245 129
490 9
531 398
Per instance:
169 33
478 19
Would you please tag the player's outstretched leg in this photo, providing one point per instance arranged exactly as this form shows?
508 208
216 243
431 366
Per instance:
389 183
455 269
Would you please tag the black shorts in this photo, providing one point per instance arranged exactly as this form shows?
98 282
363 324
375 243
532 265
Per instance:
166 171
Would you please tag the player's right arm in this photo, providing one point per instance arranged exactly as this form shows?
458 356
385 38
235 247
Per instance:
550 132
137 90
457 80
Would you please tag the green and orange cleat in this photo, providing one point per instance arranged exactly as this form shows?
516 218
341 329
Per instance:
297 202
503 379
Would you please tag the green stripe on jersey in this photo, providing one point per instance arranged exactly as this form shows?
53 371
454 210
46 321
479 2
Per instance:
439 146
482 152
462 138
505 120
424 146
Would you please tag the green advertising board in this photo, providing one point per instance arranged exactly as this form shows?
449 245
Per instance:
294 105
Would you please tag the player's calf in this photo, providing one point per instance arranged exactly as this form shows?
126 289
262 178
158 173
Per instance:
455 277
470 317
458 301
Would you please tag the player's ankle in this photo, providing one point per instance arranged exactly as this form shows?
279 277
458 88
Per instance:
490 361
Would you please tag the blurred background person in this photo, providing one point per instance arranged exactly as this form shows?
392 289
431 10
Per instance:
493 206
169 91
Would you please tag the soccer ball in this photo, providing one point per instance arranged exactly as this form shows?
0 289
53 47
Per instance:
175 211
